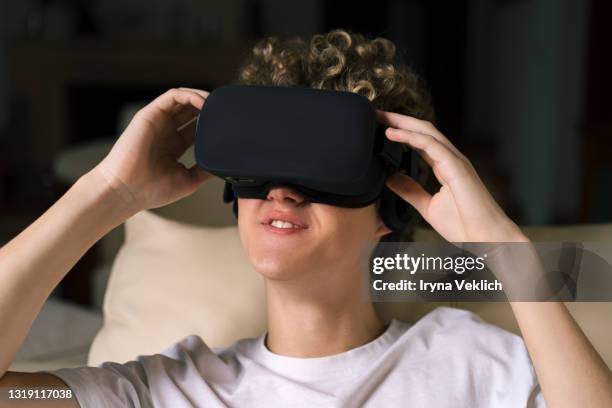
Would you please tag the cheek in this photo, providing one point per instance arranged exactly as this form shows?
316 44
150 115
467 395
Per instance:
347 229
246 212
360 221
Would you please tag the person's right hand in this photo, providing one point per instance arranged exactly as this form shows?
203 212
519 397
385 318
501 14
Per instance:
142 166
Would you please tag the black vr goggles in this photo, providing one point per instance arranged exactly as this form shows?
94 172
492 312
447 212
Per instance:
324 144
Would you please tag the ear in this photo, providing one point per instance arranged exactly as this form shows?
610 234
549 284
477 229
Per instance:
382 229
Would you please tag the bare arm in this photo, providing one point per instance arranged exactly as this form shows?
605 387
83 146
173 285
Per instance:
569 370
140 172
37 259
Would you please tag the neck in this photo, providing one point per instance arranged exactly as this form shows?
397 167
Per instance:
319 323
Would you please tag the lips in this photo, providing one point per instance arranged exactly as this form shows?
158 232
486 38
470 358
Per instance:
284 220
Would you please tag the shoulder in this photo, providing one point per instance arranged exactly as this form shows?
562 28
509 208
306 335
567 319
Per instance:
490 362
146 378
191 345
464 333
464 323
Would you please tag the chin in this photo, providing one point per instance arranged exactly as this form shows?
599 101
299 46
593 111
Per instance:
276 267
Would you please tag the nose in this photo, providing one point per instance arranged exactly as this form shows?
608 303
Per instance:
285 194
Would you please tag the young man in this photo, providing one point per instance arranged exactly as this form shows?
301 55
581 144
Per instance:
324 346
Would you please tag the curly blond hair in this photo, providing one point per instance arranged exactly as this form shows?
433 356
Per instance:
341 60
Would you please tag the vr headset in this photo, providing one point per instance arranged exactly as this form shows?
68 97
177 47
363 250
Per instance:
327 145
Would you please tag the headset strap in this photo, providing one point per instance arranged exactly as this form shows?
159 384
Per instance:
228 192
391 152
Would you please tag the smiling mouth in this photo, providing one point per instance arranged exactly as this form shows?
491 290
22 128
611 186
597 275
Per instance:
283 224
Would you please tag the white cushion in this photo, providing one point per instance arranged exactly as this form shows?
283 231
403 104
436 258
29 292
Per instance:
172 279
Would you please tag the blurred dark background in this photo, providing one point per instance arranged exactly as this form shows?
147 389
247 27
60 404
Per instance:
522 87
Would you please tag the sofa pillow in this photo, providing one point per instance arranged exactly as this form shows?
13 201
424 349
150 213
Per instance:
172 279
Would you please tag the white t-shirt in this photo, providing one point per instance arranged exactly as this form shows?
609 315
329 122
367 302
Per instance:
449 358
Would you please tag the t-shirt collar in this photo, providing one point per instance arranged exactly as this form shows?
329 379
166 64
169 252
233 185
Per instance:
350 362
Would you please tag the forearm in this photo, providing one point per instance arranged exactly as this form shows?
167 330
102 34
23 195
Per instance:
34 262
569 370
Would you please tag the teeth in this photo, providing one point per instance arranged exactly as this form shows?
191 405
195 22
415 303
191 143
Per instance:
282 224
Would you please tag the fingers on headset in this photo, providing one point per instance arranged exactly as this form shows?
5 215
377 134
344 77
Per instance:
437 151
181 105
175 100
399 121
198 174
410 191
186 118
186 134
202 93
191 178
446 164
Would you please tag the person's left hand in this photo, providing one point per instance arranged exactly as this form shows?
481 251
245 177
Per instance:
463 210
